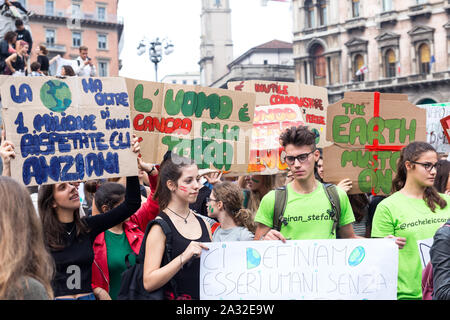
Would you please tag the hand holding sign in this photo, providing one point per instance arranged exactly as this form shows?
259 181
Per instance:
7 153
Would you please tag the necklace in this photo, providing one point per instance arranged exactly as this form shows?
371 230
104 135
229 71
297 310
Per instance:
70 232
185 219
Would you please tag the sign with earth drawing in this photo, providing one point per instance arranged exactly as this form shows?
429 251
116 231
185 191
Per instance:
68 129
369 130
211 126
344 269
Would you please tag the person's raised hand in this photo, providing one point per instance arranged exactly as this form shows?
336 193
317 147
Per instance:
345 184
213 177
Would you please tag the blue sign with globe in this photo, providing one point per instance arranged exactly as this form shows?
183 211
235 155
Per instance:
56 95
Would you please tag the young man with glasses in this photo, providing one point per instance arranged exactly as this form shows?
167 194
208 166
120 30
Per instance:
307 212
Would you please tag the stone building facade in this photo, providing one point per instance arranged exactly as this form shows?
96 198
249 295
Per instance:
395 46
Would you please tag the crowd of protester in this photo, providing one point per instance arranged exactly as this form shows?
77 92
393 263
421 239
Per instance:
201 206
16 57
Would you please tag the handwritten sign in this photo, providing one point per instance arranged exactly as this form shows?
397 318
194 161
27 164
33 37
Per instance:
266 151
311 100
445 122
369 130
301 269
424 250
436 135
211 126
68 129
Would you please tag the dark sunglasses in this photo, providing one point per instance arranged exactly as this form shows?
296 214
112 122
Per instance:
301 158
428 165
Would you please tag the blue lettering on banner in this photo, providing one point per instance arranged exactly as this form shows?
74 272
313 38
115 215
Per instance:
103 98
25 93
59 166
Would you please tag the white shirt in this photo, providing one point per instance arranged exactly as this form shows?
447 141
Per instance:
83 70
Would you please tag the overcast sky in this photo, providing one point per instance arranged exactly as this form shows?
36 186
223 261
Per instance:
179 20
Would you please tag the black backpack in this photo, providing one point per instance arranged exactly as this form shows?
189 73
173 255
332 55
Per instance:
132 282
281 201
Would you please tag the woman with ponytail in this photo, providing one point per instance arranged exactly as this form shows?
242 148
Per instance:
413 212
225 204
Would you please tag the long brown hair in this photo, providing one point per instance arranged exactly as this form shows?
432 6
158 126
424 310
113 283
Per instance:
171 169
23 252
53 228
412 152
267 184
232 198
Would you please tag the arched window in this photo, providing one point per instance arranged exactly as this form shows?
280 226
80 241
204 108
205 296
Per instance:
358 65
309 12
319 65
322 5
390 63
424 59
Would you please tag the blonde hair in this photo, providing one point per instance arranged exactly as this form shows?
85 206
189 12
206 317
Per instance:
232 198
23 252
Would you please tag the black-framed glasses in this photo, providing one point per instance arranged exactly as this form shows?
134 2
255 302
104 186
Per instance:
208 199
428 165
290 160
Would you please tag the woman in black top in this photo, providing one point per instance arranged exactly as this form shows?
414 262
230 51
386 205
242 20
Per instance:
7 49
70 237
18 62
43 59
178 186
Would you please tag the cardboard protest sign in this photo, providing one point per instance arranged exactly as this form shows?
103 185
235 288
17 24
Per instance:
446 126
368 130
266 151
300 270
436 135
312 101
211 126
68 129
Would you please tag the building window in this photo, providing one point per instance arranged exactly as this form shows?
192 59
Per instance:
76 10
102 41
184 81
76 39
424 59
103 68
355 8
194 82
358 65
174 81
101 13
390 63
322 12
309 10
387 5
49 8
50 35
319 65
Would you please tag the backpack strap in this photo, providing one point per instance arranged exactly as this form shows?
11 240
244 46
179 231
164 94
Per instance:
333 197
167 257
279 208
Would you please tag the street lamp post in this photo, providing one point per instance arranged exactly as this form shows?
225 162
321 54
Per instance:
155 50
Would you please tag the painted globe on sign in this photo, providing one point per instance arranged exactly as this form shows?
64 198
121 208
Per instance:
56 95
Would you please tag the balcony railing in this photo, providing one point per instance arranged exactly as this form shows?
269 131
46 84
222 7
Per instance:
52 47
92 16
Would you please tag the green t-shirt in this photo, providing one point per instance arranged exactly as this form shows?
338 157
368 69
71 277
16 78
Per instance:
117 247
306 214
412 219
